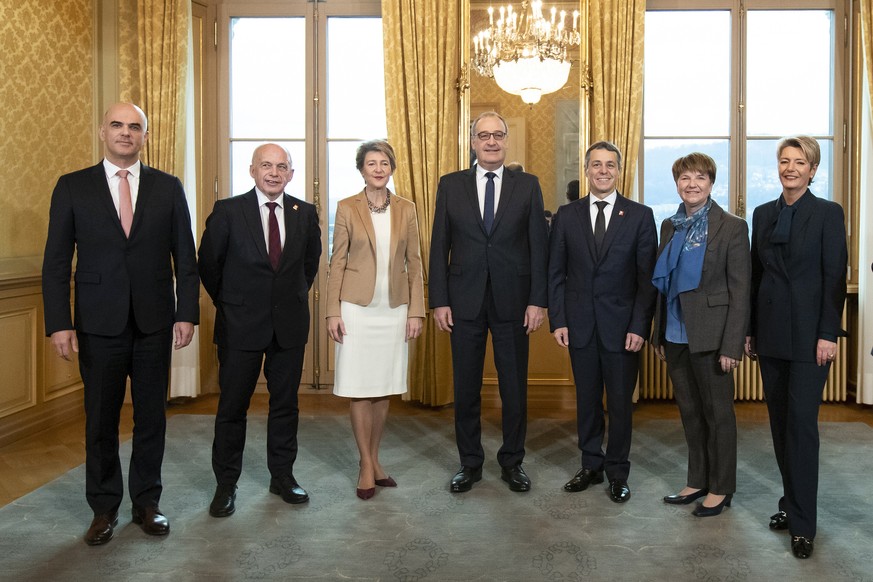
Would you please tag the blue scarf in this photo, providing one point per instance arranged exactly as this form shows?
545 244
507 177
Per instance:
680 266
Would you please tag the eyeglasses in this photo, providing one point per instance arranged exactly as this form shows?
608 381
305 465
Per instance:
486 135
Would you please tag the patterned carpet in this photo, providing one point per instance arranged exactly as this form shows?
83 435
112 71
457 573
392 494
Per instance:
421 532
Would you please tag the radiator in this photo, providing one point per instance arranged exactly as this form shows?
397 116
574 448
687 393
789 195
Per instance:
655 382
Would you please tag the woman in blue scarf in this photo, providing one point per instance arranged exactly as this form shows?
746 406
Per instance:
703 275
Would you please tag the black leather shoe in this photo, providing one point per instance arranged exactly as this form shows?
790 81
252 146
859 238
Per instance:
686 499
102 529
703 511
779 520
583 478
618 490
151 520
464 479
802 547
223 501
516 477
286 486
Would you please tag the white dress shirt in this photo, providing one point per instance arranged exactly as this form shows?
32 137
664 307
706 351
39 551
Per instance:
132 179
265 216
607 210
482 180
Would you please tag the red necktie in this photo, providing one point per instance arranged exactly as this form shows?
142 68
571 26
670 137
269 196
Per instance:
275 247
125 202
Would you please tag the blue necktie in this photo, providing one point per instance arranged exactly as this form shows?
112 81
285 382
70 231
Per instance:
488 215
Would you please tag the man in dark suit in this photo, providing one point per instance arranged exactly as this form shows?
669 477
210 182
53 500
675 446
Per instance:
488 258
601 300
258 258
131 232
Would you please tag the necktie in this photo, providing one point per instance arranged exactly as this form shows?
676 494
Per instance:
599 225
275 247
125 202
488 214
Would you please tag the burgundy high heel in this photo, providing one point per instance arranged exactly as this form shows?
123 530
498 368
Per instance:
386 482
365 494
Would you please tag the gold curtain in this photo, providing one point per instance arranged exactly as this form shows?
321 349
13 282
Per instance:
867 40
616 35
421 70
153 63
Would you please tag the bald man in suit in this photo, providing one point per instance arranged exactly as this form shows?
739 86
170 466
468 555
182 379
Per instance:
130 229
258 258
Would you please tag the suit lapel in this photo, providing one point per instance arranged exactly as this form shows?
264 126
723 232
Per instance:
363 212
472 195
770 251
507 189
101 185
715 219
583 210
252 217
146 188
291 210
617 222
397 220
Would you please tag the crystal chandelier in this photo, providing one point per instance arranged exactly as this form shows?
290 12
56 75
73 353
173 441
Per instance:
525 52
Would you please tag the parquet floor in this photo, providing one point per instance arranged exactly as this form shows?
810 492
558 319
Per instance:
31 462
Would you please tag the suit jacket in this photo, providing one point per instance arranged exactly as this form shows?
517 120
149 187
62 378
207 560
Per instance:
716 314
116 275
798 299
612 294
353 262
514 256
252 301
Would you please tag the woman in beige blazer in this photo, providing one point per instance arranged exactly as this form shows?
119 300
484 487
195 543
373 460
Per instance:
375 304
703 274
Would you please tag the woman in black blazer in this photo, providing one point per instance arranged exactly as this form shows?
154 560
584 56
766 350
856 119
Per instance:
799 261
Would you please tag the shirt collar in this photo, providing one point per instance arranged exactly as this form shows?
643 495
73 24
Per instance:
480 172
111 169
263 199
610 200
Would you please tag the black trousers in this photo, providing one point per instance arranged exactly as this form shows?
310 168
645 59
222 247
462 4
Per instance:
105 364
237 377
511 347
593 369
705 395
793 391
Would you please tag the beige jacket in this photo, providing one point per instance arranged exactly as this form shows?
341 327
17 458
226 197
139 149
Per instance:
353 262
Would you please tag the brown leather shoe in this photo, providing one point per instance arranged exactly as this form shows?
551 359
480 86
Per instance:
151 520
102 529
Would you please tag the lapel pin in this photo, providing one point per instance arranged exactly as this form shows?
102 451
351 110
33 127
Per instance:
294 207
621 212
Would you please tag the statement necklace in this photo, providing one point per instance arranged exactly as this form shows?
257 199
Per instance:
379 209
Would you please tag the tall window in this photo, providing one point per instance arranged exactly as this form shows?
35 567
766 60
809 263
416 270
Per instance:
731 83
309 76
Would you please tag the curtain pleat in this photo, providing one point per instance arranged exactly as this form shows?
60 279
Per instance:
616 30
421 70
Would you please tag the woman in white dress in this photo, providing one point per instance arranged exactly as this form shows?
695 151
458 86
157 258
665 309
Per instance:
375 304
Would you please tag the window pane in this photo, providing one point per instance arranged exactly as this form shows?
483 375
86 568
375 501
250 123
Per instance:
241 159
790 72
355 79
267 74
762 173
660 188
344 178
687 90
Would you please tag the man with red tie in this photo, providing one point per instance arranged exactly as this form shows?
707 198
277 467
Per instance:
258 258
130 229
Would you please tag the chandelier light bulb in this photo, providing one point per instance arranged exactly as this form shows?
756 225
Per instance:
524 52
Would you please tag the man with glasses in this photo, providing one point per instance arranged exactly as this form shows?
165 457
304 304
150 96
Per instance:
488 261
